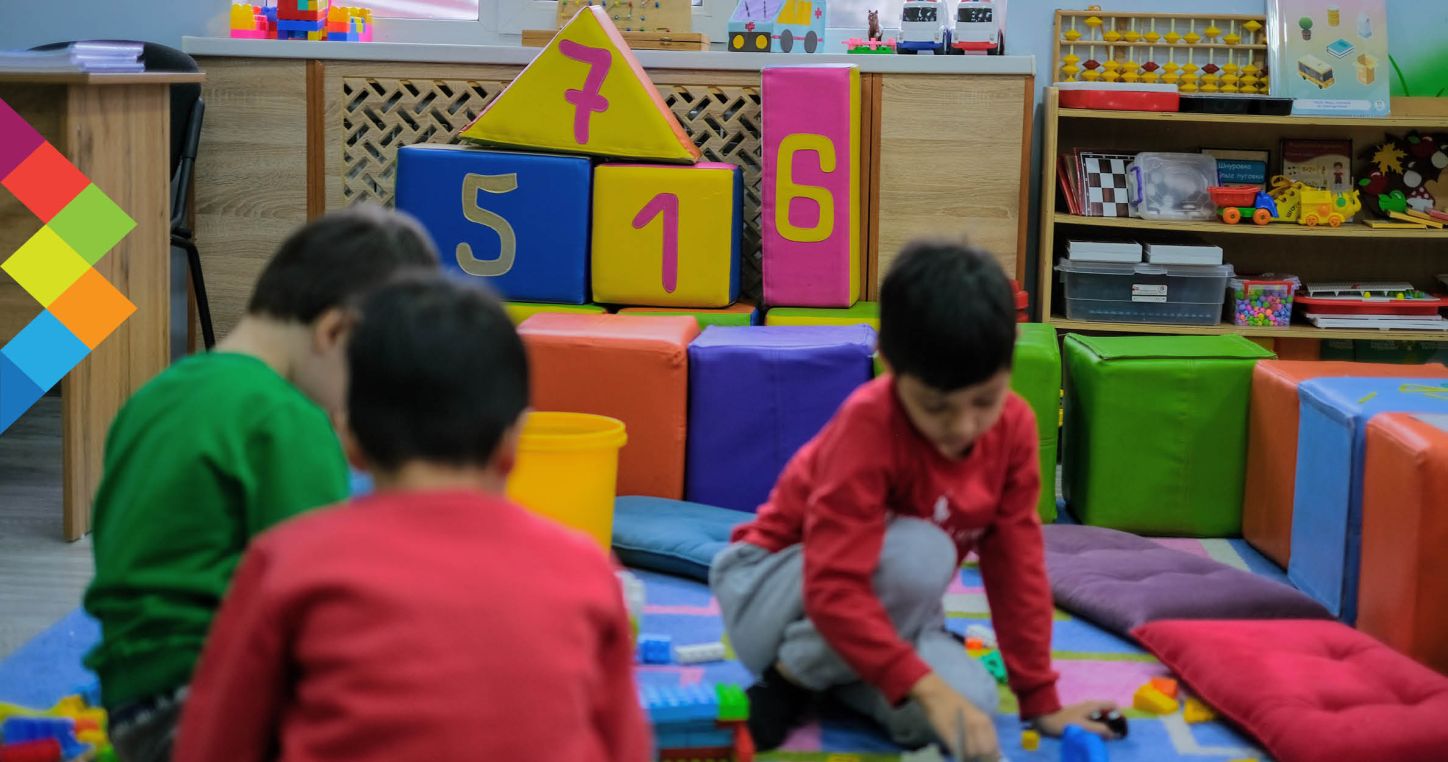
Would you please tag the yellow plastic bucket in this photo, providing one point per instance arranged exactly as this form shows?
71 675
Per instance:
567 470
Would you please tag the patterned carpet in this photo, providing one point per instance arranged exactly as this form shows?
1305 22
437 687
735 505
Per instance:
1092 663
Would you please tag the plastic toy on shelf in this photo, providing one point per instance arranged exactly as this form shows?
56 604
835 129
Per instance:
858 46
980 27
1325 207
301 20
1195 53
1238 202
922 28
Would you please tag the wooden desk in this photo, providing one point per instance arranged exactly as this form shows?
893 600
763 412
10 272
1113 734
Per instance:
294 129
116 129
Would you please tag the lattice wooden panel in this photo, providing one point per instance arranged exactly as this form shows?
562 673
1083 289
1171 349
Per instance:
380 115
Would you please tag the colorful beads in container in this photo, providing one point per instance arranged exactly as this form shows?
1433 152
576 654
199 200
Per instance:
1264 301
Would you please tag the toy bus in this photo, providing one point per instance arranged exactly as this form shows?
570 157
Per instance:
979 27
1316 71
789 26
921 28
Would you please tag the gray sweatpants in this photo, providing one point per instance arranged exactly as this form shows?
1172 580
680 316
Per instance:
762 599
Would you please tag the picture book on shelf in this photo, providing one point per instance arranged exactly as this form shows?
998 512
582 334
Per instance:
1330 56
1319 163
1240 167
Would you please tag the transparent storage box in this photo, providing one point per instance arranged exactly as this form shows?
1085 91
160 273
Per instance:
1172 186
1111 292
1265 300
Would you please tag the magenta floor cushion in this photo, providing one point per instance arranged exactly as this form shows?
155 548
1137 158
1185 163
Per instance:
1119 581
1309 690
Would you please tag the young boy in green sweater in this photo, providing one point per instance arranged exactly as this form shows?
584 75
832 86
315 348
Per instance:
218 448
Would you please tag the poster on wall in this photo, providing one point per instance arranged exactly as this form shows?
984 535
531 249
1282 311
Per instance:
1330 57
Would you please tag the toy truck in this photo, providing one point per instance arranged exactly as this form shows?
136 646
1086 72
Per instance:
1325 207
1236 202
980 27
789 26
922 28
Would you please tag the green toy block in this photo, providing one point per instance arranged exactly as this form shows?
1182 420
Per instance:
867 313
733 703
1156 431
742 313
1036 376
993 664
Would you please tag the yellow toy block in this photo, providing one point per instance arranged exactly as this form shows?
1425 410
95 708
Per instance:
1195 711
862 313
1030 740
1149 699
520 311
667 236
585 93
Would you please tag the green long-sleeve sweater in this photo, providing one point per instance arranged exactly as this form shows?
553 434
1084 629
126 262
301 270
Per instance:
203 458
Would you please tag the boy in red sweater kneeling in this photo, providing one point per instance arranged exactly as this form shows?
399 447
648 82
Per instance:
837 584
417 623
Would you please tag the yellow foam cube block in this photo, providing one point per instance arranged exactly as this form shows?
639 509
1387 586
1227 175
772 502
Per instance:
520 311
1149 699
667 236
1195 711
585 93
862 313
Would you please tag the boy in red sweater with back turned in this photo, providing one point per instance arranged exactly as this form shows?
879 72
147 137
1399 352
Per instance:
837 584
417 623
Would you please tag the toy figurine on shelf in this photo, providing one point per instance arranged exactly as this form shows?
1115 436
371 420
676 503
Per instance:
875 35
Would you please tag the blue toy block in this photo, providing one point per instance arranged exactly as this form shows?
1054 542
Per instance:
288 25
655 649
522 225
1078 745
668 704
1328 501
62 729
342 36
756 394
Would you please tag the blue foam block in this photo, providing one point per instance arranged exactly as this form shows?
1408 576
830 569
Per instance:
1327 506
541 203
758 393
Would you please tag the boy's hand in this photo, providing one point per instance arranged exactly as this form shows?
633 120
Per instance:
945 709
1054 724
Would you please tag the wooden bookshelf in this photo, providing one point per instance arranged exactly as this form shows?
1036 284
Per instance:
1353 252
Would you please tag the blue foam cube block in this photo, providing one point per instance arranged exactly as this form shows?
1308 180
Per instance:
756 394
1327 505
519 221
655 649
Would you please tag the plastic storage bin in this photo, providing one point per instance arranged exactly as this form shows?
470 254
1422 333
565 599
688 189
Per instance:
1144 293
1263 301
567 470
1173 186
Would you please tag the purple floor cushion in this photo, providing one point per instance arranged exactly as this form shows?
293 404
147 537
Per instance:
1120 581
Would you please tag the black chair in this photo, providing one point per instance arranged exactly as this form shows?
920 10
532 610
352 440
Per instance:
187 110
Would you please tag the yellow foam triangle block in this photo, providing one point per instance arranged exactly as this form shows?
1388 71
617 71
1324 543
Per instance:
585 93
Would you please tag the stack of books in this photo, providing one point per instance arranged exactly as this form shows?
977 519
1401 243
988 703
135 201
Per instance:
96 56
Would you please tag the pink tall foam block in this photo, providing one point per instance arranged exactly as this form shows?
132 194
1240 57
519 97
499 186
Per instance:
811 196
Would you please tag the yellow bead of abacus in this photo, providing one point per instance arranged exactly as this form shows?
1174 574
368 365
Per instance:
1111 36
1072 35
1133 36
1091 75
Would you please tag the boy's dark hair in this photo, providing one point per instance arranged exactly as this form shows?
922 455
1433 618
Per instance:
438 372
334 258
946 315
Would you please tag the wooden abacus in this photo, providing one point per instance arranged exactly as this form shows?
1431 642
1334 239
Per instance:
1195 52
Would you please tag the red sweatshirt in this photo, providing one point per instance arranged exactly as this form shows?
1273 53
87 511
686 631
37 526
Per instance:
417 626
870 463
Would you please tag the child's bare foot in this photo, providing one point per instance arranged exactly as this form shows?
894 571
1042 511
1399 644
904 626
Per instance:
776 706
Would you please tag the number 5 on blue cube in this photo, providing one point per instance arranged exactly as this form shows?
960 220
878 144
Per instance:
517 220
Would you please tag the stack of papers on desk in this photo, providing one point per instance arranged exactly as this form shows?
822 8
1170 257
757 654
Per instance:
98 57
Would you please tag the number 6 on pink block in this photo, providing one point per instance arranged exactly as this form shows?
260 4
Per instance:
666 204
589 100
789 190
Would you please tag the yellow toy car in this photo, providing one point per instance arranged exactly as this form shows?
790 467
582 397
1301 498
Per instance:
1324 207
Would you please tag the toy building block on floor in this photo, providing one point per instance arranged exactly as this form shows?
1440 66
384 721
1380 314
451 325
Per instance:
253 22
1155 432
699 722
522 225
756 395
667 236
788 26
1036 376
1327 510
1403 593
1272 426
860 313
628 367
809 212
737 314
585 93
